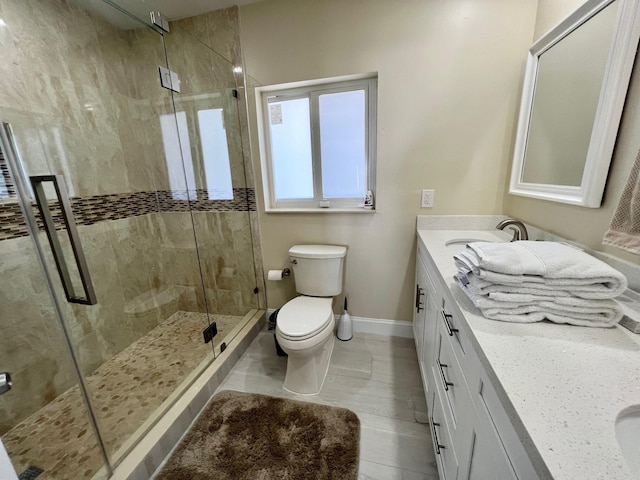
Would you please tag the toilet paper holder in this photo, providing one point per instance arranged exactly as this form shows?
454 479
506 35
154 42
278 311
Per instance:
276 275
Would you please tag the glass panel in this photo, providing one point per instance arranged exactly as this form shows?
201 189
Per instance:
290 133
343 144
44 423
174 151
221 202
82 93
215 154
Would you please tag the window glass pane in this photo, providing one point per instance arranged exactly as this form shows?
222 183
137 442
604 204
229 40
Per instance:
215 152
177 153
291 149
343 144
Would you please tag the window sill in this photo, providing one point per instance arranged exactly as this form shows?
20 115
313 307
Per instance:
319 210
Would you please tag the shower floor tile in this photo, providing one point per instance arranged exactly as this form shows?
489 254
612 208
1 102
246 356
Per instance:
125 391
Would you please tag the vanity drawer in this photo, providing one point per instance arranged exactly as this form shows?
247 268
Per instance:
446 458
449 379
451 325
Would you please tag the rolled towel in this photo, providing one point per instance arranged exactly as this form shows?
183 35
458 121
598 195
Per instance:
531 263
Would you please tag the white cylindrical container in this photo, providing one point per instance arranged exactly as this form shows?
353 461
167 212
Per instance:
345 327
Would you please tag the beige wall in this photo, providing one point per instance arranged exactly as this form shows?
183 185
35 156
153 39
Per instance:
551 12
585 225
450 74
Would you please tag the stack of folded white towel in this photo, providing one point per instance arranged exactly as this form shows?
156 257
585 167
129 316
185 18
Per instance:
531 281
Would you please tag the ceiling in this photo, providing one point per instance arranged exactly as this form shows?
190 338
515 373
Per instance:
138 10
187 8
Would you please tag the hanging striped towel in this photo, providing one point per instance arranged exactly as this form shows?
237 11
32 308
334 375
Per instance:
624 231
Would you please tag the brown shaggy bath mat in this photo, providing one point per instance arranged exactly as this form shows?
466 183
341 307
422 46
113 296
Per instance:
256 437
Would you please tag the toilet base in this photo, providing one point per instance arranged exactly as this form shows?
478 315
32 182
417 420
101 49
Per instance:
306 373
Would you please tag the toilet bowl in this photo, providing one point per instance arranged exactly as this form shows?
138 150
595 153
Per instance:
305 331
305 325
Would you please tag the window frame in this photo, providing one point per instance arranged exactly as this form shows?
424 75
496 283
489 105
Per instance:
312 90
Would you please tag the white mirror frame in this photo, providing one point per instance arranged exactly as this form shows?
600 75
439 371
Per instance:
608 113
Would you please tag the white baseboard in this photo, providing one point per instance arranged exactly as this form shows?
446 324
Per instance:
382 326
376 326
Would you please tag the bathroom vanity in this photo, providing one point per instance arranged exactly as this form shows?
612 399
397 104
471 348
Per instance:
516 401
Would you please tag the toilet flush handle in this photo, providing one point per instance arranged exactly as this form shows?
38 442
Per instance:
294 261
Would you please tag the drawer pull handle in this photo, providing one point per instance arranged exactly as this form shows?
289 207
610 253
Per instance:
447 323
419 294
435 436
445 382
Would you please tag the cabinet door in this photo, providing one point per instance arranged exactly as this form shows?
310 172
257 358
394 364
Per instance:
419 308
487 458
446 459
431 307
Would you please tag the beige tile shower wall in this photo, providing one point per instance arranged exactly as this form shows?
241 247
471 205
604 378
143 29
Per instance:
92 92
84 101
142 290
96 120
226 261
218 30
585 225
30 341
449 76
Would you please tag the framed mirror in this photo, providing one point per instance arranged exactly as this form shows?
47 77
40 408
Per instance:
575 85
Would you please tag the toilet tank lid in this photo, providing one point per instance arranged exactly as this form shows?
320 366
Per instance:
318 251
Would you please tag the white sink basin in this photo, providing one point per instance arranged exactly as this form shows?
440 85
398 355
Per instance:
628 435
462 241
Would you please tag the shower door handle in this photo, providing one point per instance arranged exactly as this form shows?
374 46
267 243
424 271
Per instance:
89 297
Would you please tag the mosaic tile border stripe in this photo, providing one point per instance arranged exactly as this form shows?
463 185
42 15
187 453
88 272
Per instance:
7 188
101 208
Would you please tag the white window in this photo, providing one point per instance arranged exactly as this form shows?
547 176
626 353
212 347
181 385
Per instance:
318 143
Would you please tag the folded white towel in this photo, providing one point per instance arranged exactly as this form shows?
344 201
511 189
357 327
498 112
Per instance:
567 309
531 264
492 283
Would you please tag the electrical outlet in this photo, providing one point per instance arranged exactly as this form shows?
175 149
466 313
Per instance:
427 198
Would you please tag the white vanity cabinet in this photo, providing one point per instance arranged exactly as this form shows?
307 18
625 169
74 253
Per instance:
472 435
426 305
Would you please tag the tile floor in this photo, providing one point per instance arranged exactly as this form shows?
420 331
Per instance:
376 377
125 391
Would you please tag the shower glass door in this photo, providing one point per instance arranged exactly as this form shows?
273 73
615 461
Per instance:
99 163
215 155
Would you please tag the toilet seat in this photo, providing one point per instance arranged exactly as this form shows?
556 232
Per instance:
304 317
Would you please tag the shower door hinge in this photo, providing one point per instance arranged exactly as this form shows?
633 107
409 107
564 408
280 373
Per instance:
160 20
210 332
169 79
235 92
255 290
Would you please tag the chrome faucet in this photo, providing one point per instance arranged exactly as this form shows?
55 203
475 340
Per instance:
519 233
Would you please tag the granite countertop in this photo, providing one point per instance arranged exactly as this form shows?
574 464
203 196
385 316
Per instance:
562 385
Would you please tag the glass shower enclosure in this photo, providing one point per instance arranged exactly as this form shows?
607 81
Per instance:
125 228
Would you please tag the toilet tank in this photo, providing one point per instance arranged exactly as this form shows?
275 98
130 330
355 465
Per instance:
317 269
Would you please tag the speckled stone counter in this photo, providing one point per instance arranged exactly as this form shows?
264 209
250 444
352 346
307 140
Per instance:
563 386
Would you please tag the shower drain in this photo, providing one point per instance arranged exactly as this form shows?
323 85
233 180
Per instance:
30 473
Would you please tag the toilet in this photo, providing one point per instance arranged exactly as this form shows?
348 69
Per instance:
305 325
